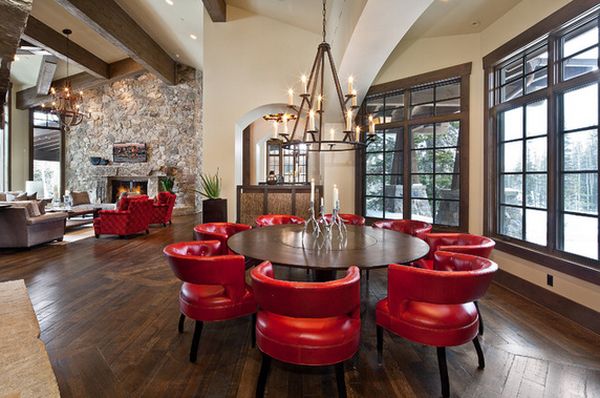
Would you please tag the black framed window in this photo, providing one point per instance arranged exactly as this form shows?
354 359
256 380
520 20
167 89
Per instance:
291 164
4 145
543 126
47 149
415 168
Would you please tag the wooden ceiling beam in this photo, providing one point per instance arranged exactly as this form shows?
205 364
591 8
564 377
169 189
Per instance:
112 23
41 35
217 9
29 98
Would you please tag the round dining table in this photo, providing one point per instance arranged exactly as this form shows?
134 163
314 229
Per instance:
366 247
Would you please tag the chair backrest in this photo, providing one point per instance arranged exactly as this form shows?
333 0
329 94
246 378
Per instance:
167 198
123 203
475 245
140 213
410 227
278 219
199 262
350 219
226 229
306 299
466 280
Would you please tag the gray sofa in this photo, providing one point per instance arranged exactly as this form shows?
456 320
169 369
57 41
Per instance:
19 228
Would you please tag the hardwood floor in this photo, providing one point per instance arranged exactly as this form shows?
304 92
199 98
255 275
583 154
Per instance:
108 313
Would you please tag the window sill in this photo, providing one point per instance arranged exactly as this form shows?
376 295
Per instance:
581 271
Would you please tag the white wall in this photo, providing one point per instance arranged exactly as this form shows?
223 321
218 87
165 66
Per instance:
249 61
429 54
19 146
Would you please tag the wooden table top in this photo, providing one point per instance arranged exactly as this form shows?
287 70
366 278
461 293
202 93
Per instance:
364 247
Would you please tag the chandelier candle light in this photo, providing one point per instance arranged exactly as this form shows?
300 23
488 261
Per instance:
66 103
312 105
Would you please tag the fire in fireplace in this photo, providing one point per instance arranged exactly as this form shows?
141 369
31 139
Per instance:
133 186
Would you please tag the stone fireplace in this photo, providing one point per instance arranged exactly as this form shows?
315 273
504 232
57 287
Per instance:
119 185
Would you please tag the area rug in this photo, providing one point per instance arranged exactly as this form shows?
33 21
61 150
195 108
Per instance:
75 235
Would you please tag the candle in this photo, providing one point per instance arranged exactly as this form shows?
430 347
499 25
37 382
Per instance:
357 133
319 100
336 198
331 135
312 190
354 98
285 120
321 201
350 85
311 120
274 128
349 120
291 97
371 125
304 83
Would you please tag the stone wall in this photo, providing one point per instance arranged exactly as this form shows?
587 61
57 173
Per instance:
140 109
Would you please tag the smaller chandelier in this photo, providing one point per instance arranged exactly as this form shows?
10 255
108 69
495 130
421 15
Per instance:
66 103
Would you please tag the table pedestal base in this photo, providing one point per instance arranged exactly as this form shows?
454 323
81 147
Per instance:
323 275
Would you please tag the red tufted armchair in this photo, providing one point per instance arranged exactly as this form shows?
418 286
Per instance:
277 219
410 227
132 217
220 231
306 323
436 307
351 219
163 208
214 286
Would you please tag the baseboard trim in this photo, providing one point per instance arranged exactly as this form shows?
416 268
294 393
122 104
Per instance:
584 316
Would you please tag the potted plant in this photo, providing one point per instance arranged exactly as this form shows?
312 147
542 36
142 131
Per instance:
214 208
167 183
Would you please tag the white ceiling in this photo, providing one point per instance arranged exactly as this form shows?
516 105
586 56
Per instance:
457 17
304 14
171 26
56 17
24 70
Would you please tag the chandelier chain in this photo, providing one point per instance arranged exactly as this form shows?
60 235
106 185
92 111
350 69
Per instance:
324 20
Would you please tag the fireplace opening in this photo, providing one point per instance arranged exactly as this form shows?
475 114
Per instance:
129 186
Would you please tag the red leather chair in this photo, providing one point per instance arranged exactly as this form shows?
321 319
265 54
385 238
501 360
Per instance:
163 208
132 217
436 307
306 323
458 243
214 286
350 219
475 245
410 227
277 219
220 231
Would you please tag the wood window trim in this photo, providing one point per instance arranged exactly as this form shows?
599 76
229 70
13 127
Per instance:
462 72
573 265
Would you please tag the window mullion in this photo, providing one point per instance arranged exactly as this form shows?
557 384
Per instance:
407 158
553 195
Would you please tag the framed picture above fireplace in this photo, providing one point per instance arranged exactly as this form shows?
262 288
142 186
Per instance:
130 153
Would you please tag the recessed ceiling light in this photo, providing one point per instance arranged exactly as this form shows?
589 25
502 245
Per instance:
16 58
193 36
176 55
169 2
475 24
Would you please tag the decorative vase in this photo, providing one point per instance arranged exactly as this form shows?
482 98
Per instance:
214 210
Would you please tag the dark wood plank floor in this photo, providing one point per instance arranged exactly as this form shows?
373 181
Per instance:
108 313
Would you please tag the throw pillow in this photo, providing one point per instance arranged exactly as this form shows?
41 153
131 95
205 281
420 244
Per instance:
32 196
2 197
21 196
80 198
33 208
42 206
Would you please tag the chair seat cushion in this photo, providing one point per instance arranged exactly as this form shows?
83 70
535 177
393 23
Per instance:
211 303
440 325
307 341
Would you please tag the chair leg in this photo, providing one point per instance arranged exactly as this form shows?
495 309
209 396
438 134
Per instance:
367 274
480 357
196 341
262 376
441 354
254 330
181 321
379 345
339 377
480 319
